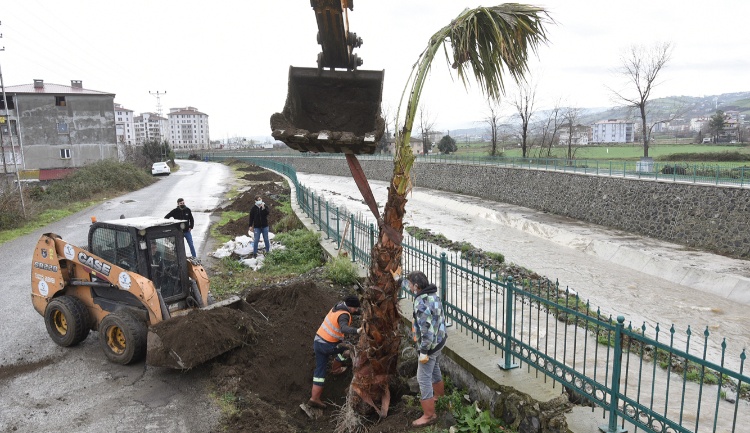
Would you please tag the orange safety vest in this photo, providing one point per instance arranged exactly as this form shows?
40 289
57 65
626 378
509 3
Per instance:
329 330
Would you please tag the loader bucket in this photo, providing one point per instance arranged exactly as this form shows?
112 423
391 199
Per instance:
188 340
331 111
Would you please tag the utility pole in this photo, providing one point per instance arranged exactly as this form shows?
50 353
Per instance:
158 94
10 135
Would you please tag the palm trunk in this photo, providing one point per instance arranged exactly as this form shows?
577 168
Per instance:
492 41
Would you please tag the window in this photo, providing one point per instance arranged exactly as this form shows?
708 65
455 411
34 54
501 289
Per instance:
65 153
4 126
11 105
60 101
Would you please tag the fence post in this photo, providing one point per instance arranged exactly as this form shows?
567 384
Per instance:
328 222
338 228
742 176
351 224
614 399
444 285
372 236
320 220
312 206
507 349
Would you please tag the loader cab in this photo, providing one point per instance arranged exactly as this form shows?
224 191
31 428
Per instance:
152 247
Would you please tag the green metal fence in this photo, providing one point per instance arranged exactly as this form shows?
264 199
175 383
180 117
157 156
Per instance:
641 378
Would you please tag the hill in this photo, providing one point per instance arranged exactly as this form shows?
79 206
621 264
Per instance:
687 106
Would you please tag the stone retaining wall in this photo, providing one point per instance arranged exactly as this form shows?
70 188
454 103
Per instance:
706 217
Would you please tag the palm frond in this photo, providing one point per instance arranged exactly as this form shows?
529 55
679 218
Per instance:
489 42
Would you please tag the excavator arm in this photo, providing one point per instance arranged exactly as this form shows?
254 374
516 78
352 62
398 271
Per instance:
334 35
328 109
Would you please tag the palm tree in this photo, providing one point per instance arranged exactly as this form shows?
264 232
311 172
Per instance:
490 42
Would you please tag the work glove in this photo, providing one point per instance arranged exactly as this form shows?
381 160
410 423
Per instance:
423 358
360 330
250 231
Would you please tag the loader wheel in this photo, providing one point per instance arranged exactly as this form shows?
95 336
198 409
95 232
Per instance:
123 337
68 320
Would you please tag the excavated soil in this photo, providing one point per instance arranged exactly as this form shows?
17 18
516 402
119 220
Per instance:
272 376
212 332
270 192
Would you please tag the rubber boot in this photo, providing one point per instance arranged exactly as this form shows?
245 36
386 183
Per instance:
438 390
337 367
315 400
429 417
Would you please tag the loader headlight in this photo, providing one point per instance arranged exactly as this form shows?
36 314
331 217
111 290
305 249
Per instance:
182 226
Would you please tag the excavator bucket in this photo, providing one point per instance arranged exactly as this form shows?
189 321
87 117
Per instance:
331 111
188 340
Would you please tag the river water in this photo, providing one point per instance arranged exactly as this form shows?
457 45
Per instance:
645 280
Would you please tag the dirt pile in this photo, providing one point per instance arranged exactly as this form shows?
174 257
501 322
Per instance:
272 376
244 202
212 332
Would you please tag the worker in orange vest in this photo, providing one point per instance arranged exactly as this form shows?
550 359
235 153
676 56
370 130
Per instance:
337 324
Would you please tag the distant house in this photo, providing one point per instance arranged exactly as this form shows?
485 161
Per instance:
56 126
581 135
416 145
613 131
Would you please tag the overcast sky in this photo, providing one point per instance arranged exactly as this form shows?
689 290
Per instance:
230 58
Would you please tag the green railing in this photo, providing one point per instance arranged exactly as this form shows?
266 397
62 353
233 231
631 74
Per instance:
724 173
639 380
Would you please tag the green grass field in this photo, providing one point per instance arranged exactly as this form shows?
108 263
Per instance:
616 152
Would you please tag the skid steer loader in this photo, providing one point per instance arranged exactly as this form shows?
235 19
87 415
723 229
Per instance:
134 275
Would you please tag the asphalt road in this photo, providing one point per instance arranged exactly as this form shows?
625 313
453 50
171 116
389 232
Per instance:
44 387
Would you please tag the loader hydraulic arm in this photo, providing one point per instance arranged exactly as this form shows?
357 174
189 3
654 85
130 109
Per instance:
334 35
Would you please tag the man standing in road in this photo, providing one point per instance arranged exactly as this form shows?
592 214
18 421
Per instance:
182 212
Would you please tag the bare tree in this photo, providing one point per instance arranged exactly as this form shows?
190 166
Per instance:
548 130
493 122
523 103
426 123
389 116
641 67
570 116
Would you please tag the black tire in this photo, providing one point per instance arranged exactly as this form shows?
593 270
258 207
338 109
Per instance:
68 320
123 337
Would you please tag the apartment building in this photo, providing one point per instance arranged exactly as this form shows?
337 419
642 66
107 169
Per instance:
56 126
150 127
124 125
188 128
613 131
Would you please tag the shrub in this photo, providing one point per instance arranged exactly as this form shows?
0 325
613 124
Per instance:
341 271
301 252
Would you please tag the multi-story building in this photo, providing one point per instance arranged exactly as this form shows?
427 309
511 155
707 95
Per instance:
124 125
150 127
56 126
613 131
188 128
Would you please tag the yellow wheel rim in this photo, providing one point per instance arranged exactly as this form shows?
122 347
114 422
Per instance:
59 322
116 339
